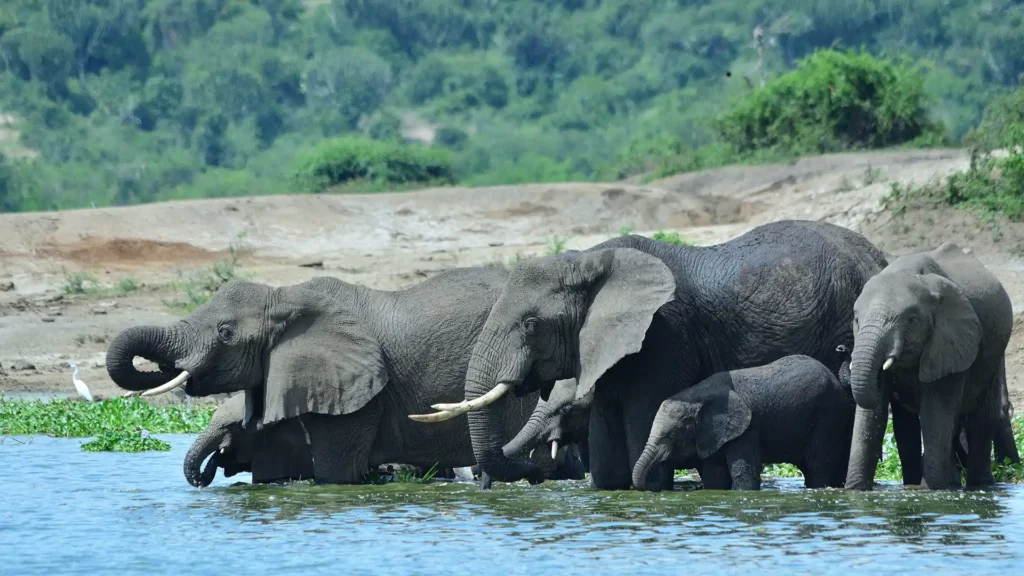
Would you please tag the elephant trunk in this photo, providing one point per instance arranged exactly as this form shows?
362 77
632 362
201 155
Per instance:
528 438
654 453
866 361
486 427
165 346
206 444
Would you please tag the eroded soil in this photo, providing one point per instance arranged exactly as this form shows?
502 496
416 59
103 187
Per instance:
391 241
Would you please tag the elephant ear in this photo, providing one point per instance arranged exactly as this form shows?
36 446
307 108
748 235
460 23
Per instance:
956 331
323 360
625 288
724 415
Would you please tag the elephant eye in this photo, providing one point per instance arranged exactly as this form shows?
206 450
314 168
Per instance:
225 333
529 325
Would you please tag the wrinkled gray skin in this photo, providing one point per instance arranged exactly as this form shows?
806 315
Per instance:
636 321
945 321
791 411
352 363
281 451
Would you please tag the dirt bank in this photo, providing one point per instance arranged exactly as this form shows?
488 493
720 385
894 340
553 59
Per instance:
390 241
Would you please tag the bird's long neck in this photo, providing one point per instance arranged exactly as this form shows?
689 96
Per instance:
75 375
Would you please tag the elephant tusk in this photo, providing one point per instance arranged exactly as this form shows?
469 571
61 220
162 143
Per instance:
435 417
887 365
476 403
531 453
178 381
554 448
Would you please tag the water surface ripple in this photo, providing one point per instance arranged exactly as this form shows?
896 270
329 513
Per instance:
64 511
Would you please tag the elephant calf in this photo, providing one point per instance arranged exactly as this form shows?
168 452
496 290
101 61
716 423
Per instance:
793 410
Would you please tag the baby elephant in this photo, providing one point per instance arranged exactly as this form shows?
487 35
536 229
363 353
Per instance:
790 411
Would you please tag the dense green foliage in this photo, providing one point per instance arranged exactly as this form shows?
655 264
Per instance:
353 161
994 182
833 101
125 442
128 101
74 419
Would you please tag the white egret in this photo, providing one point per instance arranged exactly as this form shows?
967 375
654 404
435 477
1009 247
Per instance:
83 390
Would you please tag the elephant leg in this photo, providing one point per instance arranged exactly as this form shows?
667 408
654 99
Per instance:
940 410
981 426
341 444
743 458
609 458
906 429
866 449
638 418
485 481
824 463
714 473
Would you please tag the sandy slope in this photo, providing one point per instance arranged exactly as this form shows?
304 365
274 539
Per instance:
391 241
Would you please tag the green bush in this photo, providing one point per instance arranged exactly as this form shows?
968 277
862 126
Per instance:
832 101
994 184
384 164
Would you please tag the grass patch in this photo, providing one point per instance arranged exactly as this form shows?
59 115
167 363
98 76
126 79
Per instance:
671 238
74 419
556 245
126 442
83 283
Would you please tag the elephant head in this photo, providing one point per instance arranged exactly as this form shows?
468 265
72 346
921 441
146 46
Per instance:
292 350
277 453
561 420
697 421
915 322
573 315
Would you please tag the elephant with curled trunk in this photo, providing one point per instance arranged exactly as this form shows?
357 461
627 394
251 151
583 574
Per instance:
936 324
350 363
636 321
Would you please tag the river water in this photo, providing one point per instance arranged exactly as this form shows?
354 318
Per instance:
64 511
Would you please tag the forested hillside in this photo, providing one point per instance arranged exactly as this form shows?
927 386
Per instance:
127 101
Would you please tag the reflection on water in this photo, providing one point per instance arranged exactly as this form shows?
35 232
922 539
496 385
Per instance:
67 511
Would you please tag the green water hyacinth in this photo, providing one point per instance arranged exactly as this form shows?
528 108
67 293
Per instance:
75 419
139 441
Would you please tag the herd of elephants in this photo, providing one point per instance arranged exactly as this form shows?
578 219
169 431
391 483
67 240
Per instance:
631 359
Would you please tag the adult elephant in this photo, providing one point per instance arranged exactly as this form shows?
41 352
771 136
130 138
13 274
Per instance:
281 452
349 361
938 324
636 321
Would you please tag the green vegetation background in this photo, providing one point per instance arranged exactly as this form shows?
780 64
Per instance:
130 101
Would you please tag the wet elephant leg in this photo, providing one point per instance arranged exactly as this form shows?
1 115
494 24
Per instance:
609 456
940 410
714 473
743 459
906 429
341 444
981 426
